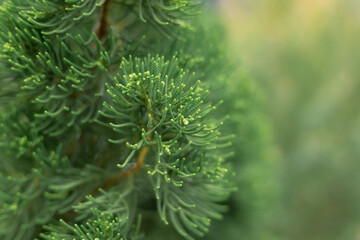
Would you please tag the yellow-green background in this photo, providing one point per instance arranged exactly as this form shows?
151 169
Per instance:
305 56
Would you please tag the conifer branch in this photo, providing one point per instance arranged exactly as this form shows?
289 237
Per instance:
77 123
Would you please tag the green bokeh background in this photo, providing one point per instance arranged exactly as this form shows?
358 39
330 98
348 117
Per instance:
305 56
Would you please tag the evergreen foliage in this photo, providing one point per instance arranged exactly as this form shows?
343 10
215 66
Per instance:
106 126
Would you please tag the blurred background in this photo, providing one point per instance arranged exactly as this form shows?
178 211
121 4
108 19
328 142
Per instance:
305 56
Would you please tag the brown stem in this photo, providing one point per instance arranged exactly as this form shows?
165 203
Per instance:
113 180
102 28
140 162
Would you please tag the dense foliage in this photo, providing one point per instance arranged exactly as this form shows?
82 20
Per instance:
106 129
